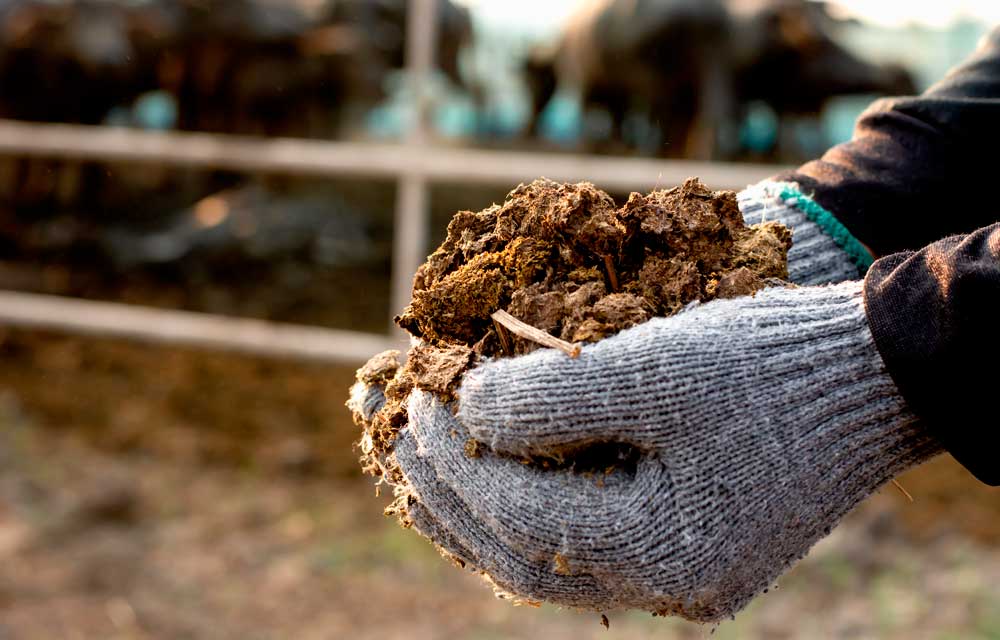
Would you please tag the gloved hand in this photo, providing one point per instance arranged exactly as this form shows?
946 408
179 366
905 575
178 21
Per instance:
823 251
756 423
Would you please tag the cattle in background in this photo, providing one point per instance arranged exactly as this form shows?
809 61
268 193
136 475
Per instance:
75 61
306 69
384 22
692 67
297 68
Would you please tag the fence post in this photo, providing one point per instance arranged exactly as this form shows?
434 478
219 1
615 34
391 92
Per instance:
412 215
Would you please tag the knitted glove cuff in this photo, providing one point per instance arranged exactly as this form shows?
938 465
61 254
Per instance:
823 250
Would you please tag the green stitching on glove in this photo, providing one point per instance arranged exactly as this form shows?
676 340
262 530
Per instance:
829 224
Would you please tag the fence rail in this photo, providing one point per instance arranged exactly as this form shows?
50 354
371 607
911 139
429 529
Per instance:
185 328
320 158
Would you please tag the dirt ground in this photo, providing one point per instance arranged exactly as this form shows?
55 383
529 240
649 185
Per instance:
152 493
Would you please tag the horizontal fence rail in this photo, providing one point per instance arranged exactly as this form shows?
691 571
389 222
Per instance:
186 328
434 163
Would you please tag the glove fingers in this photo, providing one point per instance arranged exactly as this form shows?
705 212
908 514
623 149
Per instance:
591 518
607 527
432 529
366 400
441 515
546 403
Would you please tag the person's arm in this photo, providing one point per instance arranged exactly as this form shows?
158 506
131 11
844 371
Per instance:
918 168
934 315
739 432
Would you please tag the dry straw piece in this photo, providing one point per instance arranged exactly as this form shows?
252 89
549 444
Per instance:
534 334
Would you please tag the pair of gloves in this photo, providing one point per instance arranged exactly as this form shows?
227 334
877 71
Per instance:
747 428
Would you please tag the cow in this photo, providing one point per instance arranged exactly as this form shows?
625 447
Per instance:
693 66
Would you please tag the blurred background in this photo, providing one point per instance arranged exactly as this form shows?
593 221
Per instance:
291 162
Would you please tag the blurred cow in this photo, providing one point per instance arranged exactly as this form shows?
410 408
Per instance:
384 24
294 69
237 67
75 60
693 66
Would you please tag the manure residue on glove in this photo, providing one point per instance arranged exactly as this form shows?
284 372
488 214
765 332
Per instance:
566 259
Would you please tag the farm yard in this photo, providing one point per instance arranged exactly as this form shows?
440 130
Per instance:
250 188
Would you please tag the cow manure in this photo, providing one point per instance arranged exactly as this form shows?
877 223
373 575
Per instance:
567 260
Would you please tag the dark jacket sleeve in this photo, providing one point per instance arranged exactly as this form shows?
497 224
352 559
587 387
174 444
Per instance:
935 315
917 170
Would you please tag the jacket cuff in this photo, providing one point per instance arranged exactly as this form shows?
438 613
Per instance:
932 316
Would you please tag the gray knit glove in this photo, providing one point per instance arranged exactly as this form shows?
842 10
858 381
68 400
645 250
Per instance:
756 423
823 250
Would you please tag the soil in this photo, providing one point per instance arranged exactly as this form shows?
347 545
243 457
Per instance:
567 260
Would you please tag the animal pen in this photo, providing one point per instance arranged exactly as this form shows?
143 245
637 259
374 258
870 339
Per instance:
415 163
